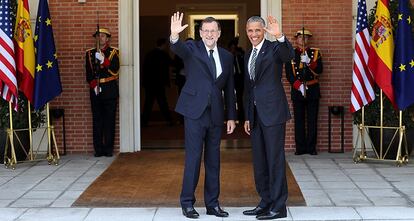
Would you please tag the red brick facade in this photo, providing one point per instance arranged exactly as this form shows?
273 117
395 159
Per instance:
331 25
73 26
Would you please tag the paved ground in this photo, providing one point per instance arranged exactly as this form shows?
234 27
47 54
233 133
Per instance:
333 186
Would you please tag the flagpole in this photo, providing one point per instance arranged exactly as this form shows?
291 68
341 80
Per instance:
29 112
381 122
13 159
49 147
401 133
362 131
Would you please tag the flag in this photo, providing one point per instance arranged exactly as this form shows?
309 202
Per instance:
8 81
24 48
362 92
403 75
47 77
382 50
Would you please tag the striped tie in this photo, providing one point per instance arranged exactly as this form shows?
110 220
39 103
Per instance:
253 64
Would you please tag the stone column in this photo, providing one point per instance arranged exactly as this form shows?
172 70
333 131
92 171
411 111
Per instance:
129 101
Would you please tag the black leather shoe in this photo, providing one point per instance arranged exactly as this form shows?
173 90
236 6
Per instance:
299 153
272 215
108 154
256 211
190 212
313 152
217 211
98 155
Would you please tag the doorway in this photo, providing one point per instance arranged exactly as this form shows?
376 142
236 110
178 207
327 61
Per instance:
159 133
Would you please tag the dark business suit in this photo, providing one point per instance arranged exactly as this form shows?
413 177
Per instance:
155 80
267 110
202 105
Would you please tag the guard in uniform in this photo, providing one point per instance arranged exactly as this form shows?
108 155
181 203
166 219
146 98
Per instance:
102 67
303 74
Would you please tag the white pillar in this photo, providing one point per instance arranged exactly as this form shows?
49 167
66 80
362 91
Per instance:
129 76
271 7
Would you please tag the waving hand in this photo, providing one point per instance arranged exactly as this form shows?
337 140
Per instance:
176 26
273 27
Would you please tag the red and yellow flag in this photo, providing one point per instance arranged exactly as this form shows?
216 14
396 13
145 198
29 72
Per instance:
25 54
382 50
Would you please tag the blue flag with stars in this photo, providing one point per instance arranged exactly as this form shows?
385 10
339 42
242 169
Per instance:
47 78
403 68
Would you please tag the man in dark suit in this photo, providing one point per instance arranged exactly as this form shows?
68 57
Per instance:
102 66
303 74
238 54
267 111
156 79
209 73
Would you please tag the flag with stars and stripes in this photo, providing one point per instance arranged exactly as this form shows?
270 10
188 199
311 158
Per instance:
47 77
362 92
403 75
8 81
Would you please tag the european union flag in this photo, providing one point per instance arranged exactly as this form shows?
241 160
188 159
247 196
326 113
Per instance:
403 76
47 77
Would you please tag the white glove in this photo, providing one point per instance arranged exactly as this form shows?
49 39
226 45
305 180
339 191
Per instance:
302 89
97 90
100 57
304 58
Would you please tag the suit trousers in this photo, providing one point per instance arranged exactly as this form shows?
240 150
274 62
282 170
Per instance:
103 115
198 133
268 143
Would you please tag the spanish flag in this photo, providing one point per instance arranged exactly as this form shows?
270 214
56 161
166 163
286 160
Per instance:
24 49
381 54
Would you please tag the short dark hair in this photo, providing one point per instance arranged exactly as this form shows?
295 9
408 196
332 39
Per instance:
210 20
256 19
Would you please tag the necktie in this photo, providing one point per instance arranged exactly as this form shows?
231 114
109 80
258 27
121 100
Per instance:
252 67
213 64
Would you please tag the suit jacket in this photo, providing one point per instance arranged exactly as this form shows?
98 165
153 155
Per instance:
156 69
266 91
201 90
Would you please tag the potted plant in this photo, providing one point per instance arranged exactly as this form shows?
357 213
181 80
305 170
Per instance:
390 115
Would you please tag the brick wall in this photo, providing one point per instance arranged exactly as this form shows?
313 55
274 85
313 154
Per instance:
331 25
73 26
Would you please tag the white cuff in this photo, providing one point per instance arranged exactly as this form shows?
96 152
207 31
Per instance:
173 41
281 39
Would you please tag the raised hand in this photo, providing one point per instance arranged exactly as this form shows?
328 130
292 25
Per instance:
273 27
176 27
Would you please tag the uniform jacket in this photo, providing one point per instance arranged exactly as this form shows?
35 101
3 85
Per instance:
200 89
108 73
296 75
266 91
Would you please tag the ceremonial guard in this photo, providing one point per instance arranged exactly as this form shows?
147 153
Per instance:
303 74
102 67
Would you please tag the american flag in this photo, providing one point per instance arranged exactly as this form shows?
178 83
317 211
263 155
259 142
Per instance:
8 82
362 92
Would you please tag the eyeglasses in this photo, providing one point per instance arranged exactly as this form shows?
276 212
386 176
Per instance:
210 31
